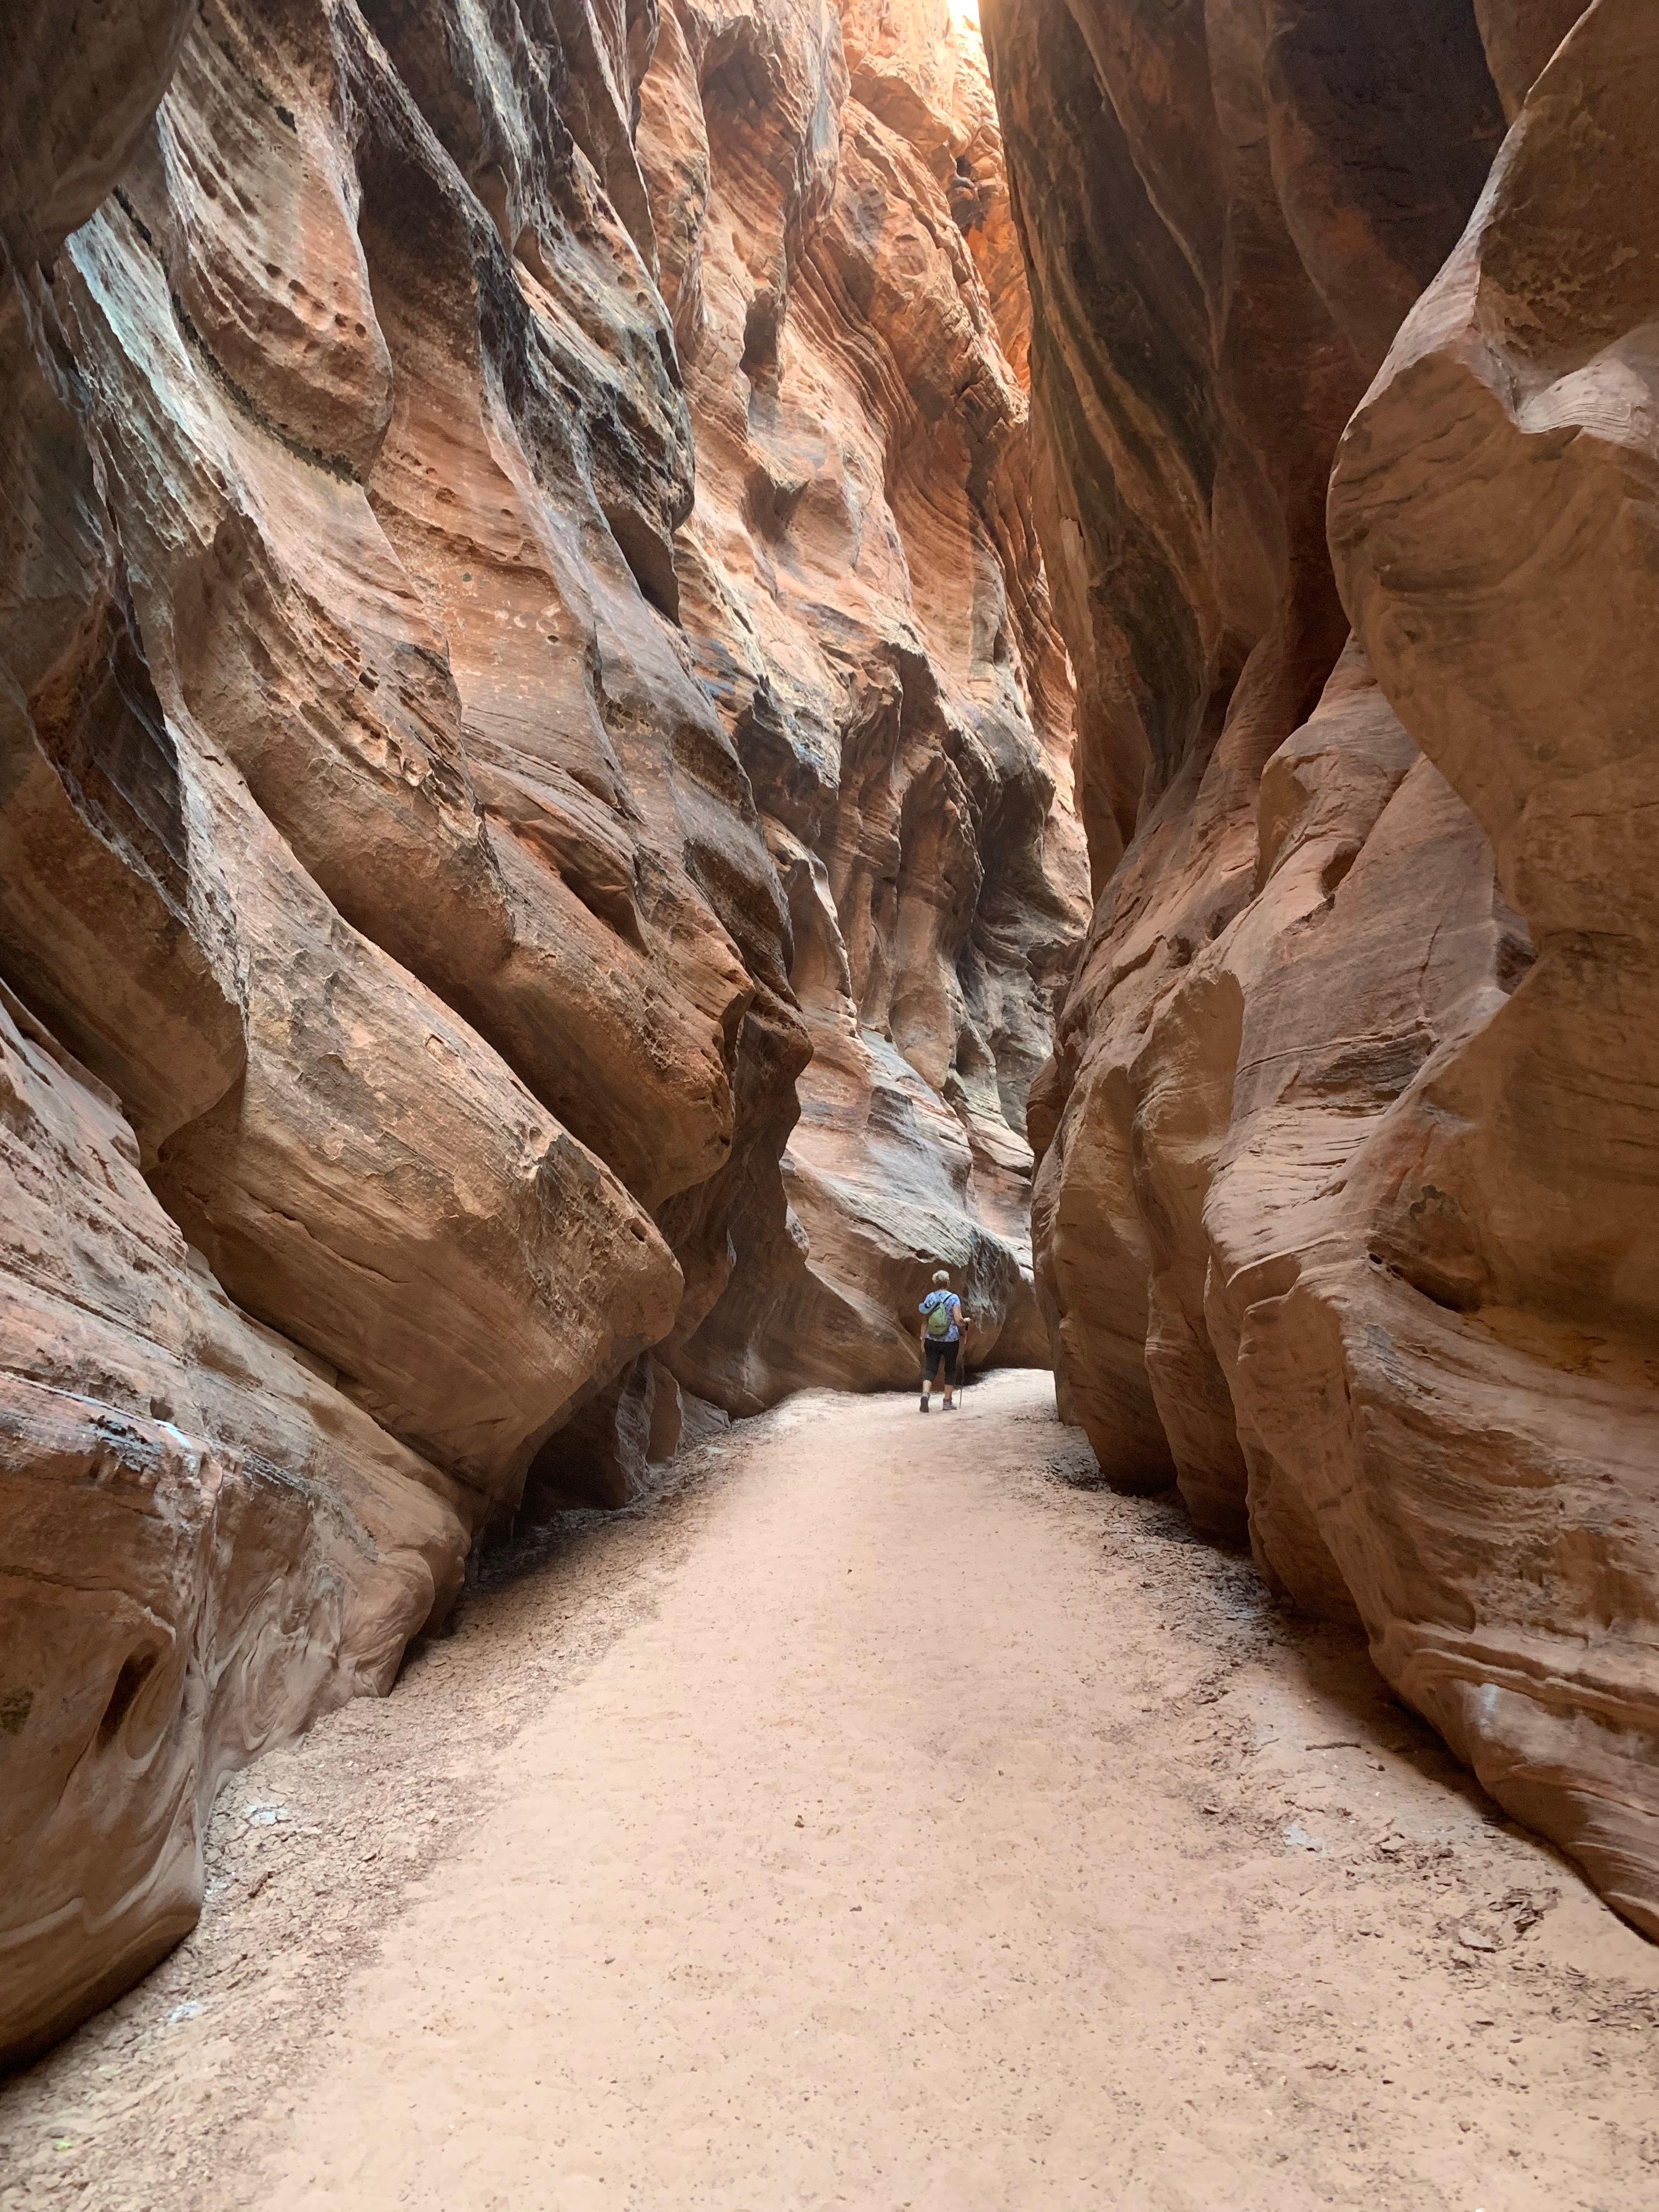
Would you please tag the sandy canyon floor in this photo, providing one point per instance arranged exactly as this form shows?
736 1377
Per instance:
879 1819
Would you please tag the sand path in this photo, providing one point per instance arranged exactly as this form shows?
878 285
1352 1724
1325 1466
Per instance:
880 1821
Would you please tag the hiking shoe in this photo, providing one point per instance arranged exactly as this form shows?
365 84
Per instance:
924 1405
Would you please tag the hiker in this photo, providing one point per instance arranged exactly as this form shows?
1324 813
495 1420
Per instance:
942 1325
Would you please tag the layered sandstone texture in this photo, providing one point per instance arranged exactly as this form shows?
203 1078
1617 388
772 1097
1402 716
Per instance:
1348 1216
535 849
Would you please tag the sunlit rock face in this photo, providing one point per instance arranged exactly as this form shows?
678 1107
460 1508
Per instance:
860 585
1348 1217
535 844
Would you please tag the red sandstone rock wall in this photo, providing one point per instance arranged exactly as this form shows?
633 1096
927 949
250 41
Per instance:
861 589
535 849
1348 1218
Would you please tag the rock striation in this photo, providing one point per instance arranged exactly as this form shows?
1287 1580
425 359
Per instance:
1348 1204
536 848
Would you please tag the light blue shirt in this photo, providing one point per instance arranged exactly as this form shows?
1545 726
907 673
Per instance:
943 1298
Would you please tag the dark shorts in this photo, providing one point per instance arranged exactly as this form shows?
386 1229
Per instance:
940 1355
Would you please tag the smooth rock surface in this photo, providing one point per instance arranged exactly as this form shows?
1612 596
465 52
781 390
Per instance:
1348 1216
534 824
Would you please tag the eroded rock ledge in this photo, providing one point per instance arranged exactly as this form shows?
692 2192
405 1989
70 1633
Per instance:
1348 1215
535 848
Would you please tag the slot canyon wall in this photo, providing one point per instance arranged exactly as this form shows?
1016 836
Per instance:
1343 366
536 851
